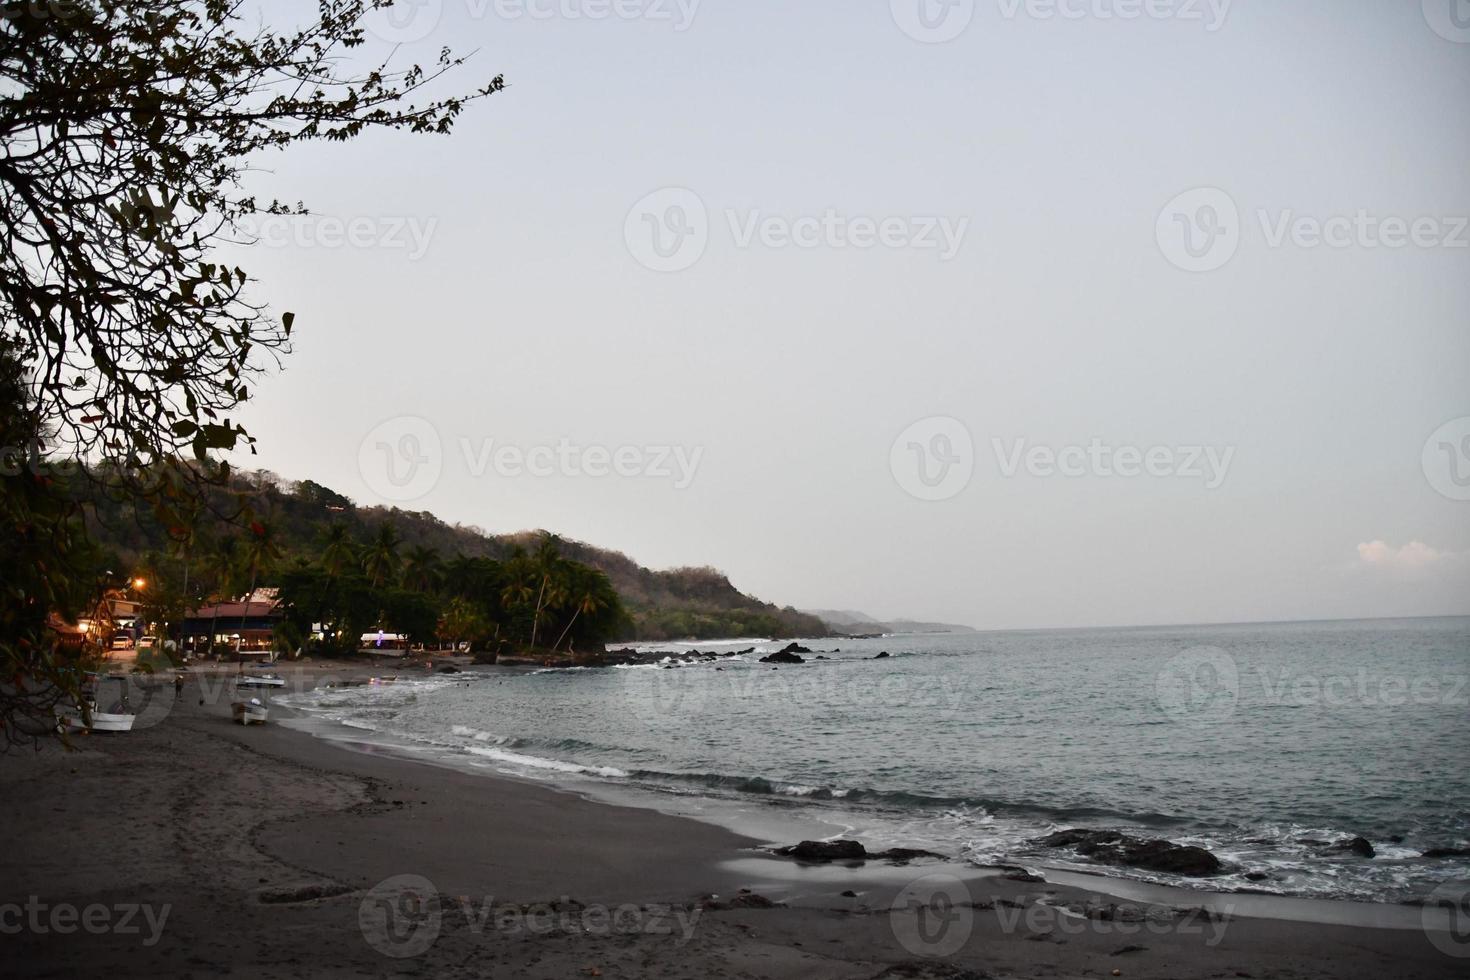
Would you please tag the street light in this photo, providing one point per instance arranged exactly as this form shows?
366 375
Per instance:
139 583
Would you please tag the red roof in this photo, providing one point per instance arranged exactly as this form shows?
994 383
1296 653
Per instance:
237 610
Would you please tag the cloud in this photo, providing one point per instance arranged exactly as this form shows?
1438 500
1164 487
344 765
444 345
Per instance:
1412 556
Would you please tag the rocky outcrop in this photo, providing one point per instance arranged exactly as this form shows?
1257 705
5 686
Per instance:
790 654
1356 846
1112 847
825 852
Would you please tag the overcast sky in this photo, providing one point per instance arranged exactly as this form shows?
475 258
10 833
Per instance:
1069 319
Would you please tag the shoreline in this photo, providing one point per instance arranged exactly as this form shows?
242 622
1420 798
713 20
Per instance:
268 844
774 875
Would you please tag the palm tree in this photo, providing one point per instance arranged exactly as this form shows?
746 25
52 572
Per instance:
381 560
588 601
338 550
223 563
421 569
183 538
260 549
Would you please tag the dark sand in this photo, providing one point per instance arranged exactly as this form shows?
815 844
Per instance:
263 852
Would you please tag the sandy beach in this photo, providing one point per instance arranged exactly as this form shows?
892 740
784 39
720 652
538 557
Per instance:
196 847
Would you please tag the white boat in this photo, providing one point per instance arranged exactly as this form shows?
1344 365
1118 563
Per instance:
252 712
261 680
118 717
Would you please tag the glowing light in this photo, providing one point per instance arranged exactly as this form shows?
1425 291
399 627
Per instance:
139 583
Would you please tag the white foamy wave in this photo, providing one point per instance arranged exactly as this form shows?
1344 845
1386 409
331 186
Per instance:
536 762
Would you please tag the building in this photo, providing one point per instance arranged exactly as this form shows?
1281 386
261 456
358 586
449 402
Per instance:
247 626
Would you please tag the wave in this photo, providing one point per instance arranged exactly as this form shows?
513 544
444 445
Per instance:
540 762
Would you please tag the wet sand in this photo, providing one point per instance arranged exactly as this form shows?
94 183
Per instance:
196 847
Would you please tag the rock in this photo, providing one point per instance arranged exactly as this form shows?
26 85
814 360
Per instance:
1357 846
450 670
1022 875
1112 847
747 899
883 656
849 894
1256 876
823 851
1447 852
783 657
903 855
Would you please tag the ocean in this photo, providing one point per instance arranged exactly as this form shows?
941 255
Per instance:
1258 742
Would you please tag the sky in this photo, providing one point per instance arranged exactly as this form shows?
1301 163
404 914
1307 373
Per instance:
1012 314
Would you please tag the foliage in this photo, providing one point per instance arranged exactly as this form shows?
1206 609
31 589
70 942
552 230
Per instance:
48 570
126 131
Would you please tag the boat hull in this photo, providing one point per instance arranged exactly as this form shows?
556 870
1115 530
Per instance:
250 714
102 722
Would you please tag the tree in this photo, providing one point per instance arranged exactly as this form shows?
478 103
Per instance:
47 571
381 560
463 622
225 564
421 569
128 126
338 553
126 131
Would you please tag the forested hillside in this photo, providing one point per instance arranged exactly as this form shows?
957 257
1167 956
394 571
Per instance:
692 603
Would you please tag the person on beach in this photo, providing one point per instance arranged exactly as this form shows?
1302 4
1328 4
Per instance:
178 687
